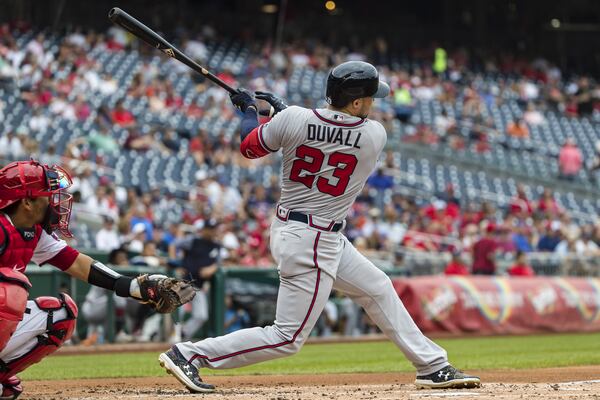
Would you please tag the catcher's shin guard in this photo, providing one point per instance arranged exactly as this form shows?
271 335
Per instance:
14 288
57 332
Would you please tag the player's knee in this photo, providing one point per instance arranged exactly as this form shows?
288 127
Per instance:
59 331
293 343
61 316
295 346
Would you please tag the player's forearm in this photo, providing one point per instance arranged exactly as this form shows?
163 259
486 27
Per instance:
95 273
249 122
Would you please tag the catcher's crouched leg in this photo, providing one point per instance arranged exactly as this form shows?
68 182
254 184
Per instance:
48 323
14 288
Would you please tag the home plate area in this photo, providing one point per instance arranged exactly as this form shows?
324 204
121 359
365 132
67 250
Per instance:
547 384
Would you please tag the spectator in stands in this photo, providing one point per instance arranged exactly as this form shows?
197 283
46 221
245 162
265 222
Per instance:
107 238
11 146
547 205
521 239
139 215
200 261
456 266
118 256
136 238
149 257
380 181
38 121
584 97
403 103
101 140
449 196
236 317
533 116
521 267
121 116
484 252
518 129
551 238
520 204
570 160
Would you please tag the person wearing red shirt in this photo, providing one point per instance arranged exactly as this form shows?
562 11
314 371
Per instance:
121 116
520 203
456 266
484 251
521 268
34 207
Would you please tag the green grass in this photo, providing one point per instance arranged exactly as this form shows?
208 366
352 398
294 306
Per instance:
516 352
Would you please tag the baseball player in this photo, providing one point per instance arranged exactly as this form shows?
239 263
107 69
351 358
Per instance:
328 154
33 205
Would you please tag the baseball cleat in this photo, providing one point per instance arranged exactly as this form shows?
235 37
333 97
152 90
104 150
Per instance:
447 378
11 388
176 364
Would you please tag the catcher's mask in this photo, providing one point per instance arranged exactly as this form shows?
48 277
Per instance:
30 179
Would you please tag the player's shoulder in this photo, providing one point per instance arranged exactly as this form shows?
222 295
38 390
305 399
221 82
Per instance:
291 115
375 125
293 111
376 132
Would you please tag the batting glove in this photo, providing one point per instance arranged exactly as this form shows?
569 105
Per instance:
242 99
277 102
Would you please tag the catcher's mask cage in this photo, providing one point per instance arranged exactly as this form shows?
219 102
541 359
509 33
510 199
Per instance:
30 179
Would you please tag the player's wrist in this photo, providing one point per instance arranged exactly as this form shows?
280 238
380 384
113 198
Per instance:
102 276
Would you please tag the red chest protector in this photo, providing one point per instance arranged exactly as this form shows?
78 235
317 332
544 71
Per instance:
16 251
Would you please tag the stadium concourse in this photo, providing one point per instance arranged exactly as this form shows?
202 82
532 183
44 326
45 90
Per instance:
501 149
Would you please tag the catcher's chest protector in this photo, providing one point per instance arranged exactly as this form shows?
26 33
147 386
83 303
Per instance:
18 250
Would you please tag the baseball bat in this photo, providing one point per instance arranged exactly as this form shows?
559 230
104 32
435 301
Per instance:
121 18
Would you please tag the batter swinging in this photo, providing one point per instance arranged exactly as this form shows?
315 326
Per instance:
328 154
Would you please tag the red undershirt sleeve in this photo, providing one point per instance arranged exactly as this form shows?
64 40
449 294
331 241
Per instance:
253 146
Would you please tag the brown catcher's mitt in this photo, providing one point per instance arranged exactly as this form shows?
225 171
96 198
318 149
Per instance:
164 294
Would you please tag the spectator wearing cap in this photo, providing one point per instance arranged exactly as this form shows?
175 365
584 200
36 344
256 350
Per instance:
107 238
521 267
201 256
484 251
456 266
137 237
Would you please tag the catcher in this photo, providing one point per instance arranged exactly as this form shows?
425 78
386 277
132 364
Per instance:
33 206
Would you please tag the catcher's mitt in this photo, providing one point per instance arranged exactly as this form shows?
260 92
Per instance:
164 294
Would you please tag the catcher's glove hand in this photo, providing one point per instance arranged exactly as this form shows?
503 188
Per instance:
164 294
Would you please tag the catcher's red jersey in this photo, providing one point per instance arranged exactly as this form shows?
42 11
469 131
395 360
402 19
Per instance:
18 248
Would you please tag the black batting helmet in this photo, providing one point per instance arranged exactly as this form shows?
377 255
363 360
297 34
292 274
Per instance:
354 80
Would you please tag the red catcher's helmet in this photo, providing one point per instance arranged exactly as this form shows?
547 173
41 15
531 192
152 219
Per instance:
30 179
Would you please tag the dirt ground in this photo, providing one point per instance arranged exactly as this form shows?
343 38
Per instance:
550 383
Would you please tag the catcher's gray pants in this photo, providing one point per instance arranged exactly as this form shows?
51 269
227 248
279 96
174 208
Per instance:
312 261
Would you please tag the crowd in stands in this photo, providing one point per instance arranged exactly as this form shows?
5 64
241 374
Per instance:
61 81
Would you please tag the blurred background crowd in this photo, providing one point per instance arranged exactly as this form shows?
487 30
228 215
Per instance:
490 166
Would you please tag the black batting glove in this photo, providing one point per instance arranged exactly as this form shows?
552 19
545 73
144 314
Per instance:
277 102
242 99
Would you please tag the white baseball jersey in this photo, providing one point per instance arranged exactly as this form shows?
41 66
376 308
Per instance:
327 158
